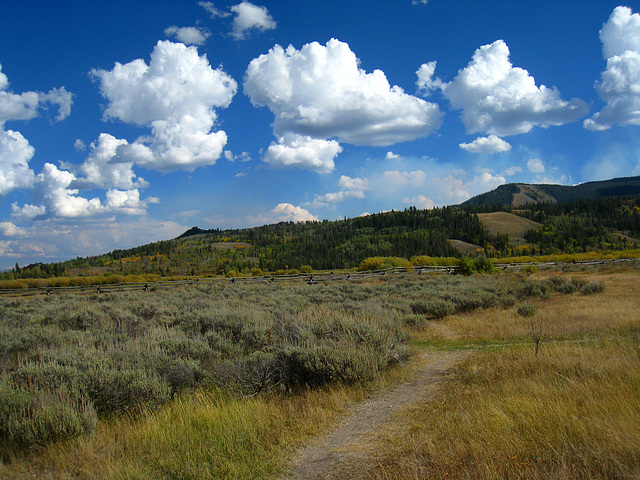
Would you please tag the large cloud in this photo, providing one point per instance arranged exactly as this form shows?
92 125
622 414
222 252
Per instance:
176 96
349 188
26 105
486 145
283 212
52 189
15 153
304 152
250 17
101 169
319 92
619 86
497 98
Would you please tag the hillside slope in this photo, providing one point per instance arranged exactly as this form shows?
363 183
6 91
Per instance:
518 194
508 224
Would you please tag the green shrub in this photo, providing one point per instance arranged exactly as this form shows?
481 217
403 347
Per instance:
484 265
415 321
332 362
466 267
31 419
381 263
437 308
423 261
527 310
561 285
592 287
507 300
113 391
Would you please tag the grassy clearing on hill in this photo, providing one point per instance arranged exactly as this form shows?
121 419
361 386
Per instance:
508 223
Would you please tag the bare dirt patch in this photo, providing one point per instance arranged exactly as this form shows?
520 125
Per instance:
348 450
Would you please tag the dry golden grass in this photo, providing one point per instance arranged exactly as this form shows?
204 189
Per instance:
562 316
513 225
204 435
571 412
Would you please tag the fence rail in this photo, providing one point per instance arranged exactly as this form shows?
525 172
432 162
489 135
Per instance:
310 278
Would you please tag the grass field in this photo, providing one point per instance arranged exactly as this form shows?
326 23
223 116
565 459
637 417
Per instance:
571 411
508 223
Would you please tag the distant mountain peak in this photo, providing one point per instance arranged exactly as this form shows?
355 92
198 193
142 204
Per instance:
518 194
192 231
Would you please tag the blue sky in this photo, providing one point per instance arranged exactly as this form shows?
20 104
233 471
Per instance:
123 123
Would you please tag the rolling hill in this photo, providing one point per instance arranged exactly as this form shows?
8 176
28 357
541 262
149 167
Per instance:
512 220
519 194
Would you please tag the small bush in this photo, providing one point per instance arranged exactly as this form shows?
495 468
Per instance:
507 300
415 321
592 287
332 362
32 419
534 289
527 310
466 267
437 308
484 265
114 391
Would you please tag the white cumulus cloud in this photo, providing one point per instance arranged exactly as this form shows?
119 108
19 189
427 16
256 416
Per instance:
188 35
303 152
535 165
486 145
26 105
283 212
100 169
15 153
420 201
509 172
396 179
349 188
619 85
53 191
8 229
497 98
320 92
176 96
250 17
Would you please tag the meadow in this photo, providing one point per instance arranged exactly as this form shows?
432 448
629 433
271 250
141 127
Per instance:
226 381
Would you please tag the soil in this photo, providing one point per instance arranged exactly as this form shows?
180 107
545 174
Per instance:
348 451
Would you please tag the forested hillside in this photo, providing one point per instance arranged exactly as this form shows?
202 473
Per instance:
585 225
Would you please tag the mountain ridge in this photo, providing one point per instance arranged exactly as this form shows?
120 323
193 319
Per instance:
519 194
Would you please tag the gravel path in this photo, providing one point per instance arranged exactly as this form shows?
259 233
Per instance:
347 451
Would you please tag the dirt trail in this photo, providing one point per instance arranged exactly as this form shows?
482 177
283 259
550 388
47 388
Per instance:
347 452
